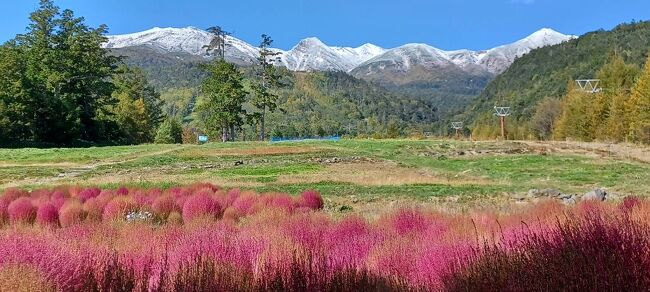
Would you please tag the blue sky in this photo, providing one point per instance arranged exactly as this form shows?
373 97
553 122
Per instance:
449 24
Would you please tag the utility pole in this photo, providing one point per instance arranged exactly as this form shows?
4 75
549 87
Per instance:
457 126
589 85
502 112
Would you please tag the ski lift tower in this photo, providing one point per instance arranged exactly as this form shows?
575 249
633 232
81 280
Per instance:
589 85
457 126
502 112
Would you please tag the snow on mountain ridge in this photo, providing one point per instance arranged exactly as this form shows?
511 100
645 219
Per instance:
494 60
498 59
311 54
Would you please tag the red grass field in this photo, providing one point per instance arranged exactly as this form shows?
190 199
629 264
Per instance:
203 238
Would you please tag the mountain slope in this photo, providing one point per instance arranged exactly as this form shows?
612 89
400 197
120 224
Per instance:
547 71
182 41
500 58
450 79
308 55
406 64
313 55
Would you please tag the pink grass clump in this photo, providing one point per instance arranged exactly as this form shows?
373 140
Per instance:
10 194
164 205
47 215
122 191
311 199
200 205
89 193
71 213
117 208
409 221
22 210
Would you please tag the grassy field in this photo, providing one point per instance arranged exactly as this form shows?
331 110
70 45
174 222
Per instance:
349 173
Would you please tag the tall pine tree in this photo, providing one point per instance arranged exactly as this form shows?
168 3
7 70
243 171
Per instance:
221 106
264 98
64 79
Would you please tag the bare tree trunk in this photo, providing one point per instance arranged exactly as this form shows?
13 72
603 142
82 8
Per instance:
262 129
224 133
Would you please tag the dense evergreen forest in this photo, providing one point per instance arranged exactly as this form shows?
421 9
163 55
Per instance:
60 87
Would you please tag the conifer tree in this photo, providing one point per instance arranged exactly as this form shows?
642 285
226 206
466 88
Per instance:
139 108
223 97
264 98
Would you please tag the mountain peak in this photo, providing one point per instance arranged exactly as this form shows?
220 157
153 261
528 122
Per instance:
546 32
311 41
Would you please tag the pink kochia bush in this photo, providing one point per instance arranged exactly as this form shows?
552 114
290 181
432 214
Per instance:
235 240
199 205
47 215
311 199
74 205
22 210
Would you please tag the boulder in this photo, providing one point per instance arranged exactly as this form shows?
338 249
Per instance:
569 199
534 193
551 193
597 195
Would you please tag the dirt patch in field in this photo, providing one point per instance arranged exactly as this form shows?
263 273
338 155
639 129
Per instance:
263 150
376 174
53 164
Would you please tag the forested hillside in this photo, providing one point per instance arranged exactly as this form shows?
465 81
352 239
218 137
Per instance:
321 104
310 103
336 103
180 72
165 71
549 71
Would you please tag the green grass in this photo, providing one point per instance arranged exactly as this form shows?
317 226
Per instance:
75 155
496 170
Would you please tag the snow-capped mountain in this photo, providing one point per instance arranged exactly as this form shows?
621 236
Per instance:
188 40
426 57
308 55
311 54
406 57
500 58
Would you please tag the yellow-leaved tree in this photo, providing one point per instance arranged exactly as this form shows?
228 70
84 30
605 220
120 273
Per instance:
638 107
617 79
575 122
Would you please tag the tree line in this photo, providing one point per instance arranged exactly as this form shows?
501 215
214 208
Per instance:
59 86
619 112
616 109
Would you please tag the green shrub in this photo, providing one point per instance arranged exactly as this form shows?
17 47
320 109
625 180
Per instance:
169 132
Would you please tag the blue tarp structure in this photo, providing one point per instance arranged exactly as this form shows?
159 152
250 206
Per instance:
280 139
203 139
